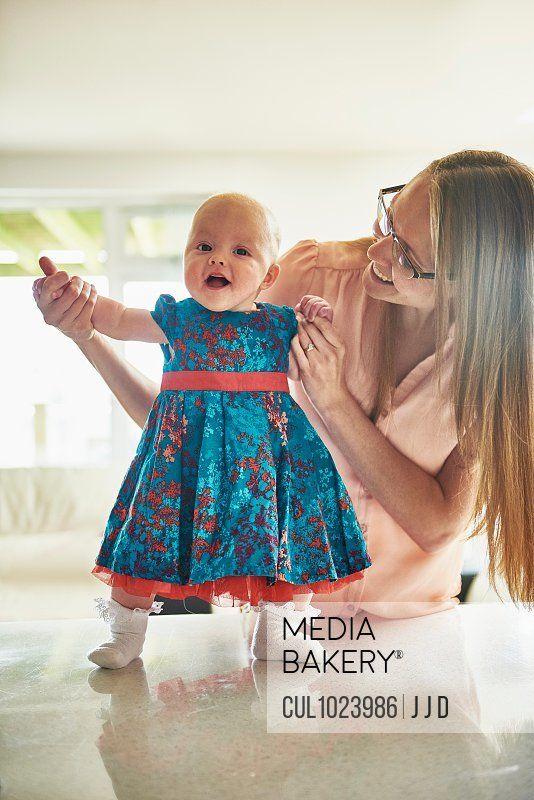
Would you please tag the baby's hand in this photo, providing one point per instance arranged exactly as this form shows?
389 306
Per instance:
311 306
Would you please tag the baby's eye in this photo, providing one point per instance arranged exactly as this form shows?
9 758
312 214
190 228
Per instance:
241 251
204 247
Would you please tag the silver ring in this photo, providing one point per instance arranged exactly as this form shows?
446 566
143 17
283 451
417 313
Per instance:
310 347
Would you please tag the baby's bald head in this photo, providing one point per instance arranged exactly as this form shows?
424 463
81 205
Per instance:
255 219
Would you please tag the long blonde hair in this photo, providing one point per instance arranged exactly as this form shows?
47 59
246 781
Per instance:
482 228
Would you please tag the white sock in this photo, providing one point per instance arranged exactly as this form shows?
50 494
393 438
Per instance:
128 629
268 642
248 620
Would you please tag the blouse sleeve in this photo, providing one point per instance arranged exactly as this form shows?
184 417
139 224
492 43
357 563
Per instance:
164 315
297 269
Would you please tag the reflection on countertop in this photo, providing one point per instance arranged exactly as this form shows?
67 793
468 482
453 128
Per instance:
191 717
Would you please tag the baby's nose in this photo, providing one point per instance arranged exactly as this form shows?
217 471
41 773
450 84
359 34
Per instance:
215 259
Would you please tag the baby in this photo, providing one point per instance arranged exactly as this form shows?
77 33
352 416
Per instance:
232 496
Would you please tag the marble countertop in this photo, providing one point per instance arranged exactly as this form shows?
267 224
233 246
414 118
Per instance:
195 718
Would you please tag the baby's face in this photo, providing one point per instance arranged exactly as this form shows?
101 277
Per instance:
229 256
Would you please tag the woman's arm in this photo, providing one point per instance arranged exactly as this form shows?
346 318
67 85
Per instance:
432 510
71 313
134 391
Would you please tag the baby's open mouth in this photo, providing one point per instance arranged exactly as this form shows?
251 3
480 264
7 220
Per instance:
217 281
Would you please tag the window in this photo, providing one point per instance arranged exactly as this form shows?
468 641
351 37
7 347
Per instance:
55 409
74 236
156 232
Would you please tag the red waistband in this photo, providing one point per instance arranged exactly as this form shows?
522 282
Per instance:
226 381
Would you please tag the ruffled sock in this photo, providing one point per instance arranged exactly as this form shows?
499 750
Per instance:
268 643
128 629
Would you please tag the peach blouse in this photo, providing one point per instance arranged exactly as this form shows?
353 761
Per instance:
404 581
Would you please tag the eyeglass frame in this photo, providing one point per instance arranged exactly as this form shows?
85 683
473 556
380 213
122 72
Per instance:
417 272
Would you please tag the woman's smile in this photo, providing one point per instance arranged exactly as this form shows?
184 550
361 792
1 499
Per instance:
380 275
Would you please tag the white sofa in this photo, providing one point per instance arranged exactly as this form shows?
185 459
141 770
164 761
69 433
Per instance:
51 524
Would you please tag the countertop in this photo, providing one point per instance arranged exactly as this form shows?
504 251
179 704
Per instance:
196 717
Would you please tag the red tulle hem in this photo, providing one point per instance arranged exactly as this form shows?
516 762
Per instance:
232 590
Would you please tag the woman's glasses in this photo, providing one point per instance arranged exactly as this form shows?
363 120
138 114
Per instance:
385 228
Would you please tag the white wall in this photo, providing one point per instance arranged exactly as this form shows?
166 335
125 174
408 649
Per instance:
323 197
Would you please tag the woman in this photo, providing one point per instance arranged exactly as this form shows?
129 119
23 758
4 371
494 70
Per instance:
422 388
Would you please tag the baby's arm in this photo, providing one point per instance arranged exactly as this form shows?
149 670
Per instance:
311 306
127 324
116 320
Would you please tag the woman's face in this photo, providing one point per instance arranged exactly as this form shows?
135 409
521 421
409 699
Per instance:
410 211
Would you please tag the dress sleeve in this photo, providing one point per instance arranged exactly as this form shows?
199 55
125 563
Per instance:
297 269
164 314
292 321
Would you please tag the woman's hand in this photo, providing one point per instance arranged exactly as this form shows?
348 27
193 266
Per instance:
66 303
322 369
308 308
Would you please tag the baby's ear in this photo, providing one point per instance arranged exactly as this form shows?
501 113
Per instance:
270 277
274 271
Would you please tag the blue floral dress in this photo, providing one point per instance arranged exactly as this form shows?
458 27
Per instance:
231 496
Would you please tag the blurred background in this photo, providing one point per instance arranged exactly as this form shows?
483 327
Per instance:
118 117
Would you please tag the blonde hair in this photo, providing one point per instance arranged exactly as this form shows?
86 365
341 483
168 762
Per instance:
482 228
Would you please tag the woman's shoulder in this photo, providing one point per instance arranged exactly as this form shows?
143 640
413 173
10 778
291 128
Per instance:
344 255
304 266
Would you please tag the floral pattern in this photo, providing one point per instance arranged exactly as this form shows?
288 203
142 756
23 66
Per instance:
231 494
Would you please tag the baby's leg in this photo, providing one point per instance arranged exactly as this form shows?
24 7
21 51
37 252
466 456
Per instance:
250 616
268 640
128 617
248 621
131 600
302 601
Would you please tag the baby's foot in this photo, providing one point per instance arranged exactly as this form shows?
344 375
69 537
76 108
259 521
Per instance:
248 621
128 629
268 643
